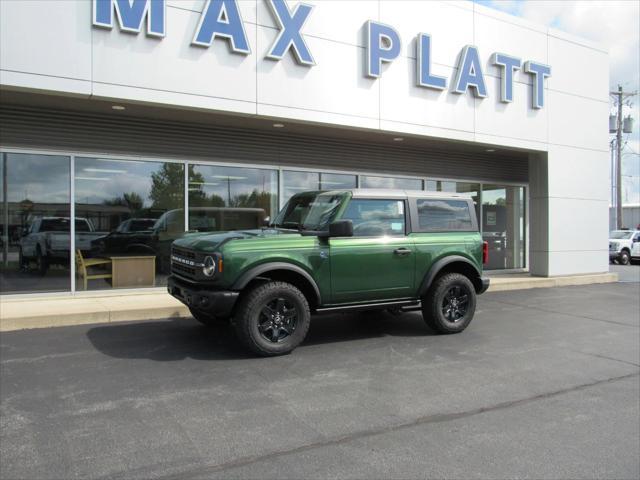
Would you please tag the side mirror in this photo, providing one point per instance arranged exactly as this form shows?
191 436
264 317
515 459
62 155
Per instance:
341 228
266 221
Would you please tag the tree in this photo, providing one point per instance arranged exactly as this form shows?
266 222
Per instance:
167 186
132 200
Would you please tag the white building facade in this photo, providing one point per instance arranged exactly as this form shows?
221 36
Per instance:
143 119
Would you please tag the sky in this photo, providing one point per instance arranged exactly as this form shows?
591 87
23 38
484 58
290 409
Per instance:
614 24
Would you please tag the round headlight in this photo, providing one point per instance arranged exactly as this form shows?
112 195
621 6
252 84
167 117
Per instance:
209 267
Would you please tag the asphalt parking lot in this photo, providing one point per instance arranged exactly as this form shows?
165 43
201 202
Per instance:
543 384
626 273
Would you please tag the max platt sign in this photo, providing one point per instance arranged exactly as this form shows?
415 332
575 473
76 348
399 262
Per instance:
221 19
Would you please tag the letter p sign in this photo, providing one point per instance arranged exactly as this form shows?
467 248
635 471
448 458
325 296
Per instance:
383 45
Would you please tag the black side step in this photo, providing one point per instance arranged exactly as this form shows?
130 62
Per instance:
402 305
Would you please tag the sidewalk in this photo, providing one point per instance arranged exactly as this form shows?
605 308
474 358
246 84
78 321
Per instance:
43 312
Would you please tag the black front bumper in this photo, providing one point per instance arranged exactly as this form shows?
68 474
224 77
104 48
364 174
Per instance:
485 284
218 303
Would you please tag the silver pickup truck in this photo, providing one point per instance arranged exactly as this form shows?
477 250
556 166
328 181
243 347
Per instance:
47 241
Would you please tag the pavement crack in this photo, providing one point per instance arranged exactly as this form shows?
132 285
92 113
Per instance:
607 358
548 310
424 420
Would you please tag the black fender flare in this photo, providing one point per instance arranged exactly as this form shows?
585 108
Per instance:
443 262
256 271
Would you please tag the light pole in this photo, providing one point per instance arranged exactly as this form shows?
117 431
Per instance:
617 128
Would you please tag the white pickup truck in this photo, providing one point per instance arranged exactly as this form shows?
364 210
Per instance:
621 245
635 252
47 241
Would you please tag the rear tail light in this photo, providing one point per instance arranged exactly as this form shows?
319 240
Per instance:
485 252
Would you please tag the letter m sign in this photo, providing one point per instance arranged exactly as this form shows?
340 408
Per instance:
131 14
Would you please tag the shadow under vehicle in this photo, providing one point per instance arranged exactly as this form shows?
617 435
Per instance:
147 236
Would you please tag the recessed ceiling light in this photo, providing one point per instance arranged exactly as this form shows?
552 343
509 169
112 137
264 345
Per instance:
490 150
278 125
398 139
118 107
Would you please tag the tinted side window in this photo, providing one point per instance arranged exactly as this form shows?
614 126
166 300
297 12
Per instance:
374 218
444 215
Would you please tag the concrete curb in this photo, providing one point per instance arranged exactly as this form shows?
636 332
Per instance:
45 312
507 282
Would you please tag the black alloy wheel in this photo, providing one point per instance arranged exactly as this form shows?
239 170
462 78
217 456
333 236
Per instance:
450 303
278 320
455 303
272 318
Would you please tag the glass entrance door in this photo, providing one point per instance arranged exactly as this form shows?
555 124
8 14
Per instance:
503 225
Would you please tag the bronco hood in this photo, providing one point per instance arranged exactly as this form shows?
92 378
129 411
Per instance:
212 241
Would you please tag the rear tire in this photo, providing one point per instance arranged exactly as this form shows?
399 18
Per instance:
207 319
272 318
450 304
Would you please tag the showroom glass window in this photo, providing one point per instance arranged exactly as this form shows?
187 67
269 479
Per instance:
35 223
300 181
372 181
126 209
230 198
503 225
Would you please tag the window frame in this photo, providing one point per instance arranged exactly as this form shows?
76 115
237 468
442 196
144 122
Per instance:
415 219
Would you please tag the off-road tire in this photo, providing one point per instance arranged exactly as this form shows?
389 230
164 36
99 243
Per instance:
624 258
208 320
433 304
249 314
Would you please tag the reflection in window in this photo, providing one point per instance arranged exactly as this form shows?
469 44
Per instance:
336 181
374 218
444 215
503 225
371 181
296 182
230 198
35 223
127 215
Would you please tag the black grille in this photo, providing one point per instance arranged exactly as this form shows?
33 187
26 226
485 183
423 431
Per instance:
183 270
179 268
181 252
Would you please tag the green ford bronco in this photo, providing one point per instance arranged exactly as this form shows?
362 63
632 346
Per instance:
331 251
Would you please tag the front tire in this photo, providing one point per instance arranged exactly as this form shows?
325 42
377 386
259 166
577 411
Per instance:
272 318
450 304
624 258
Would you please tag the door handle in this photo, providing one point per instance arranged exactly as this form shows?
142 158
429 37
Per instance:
402 251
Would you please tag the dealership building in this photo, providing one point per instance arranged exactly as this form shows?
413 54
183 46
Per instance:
126 123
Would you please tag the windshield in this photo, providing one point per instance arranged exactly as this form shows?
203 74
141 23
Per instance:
621 234
309 211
